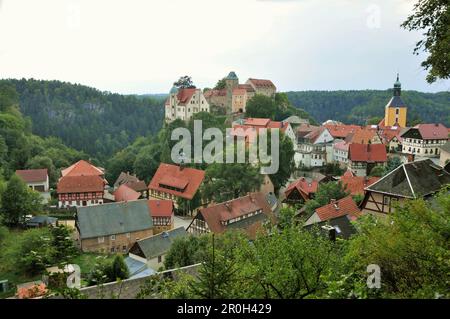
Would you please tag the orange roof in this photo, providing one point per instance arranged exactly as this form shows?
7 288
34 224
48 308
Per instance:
80 184
33 175
256 122
184 95
303 186
160 208
82 168
124 193
260 83
187 179
210 93
217 215
367 153
362 136
341 131
356 184
238 91
344 206
248 132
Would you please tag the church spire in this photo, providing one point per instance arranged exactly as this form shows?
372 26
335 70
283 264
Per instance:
397 86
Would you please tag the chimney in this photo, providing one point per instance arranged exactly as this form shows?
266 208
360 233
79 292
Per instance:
332 201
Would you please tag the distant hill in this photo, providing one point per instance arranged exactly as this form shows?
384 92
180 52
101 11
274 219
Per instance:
98 123
358 106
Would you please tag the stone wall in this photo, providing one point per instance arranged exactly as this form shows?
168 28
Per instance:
128 289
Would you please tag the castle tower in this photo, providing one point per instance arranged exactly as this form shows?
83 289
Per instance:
231 82
395 110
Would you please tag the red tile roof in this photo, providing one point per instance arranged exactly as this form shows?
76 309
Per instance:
246 87
174 176
344 206
238 91
356 184
124 193
210 93
256 122
303 186
215 215
160 208
367 153
184 95
260 83
432 131
33 175
341 131
362 136
82 168
80 184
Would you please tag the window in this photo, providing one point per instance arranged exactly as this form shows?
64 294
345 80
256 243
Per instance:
113 237
386 200
124 249
101 240
397 111
112 249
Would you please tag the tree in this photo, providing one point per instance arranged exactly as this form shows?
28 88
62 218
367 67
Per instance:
392 163
63 244
184 82
433 17
39 162
410 246
221 84
119 269
325 193
374 120
147 162
18 201
286 162
186 251
228 181
377 171
261 106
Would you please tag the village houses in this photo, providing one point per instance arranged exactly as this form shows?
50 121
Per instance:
37 180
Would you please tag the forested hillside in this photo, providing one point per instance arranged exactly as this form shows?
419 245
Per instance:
98 123
20 149
359 106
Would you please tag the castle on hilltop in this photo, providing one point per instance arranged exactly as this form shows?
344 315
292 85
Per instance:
233 98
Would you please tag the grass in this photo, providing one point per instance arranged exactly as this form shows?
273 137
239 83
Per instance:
86 261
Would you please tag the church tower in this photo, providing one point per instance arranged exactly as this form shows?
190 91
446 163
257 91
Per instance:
395 111
231 82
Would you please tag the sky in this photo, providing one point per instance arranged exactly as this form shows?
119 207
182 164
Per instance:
138 47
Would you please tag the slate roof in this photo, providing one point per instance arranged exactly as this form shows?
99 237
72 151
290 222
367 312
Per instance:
412 180
174 174
367 153
33 175
113 218
137 186
125 178
157 245
396 101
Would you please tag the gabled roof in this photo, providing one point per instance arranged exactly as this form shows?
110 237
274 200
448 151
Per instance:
342 146
157 245
82 168
239 91
211 93
367 153
125 193
189 180
216 215
412 180
160 208
261 84
33 175
246 87
256 122
125 178
362 136
303 185
113 218
432 131
80 184
315 134
344 206
341 131
137 186
185 95
305 128
356 184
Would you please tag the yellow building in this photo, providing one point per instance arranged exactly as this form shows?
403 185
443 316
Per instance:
395 112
